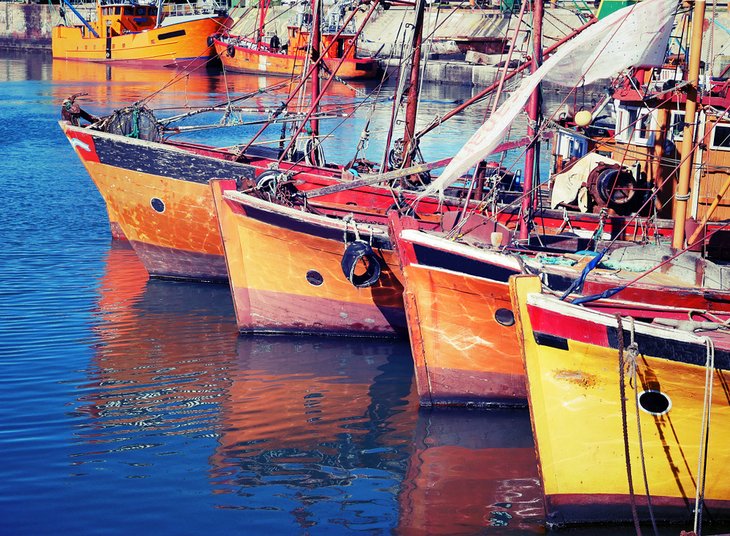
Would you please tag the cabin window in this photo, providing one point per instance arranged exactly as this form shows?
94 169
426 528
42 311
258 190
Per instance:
676 125
128 10
721 137
118 10
635 126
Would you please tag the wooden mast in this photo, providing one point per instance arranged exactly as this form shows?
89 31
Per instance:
533 115
681 196
414 84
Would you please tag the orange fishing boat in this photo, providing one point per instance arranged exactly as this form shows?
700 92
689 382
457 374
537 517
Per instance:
321 287
139 33
245 55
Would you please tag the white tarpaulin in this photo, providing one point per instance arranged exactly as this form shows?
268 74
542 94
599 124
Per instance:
634 35
571 184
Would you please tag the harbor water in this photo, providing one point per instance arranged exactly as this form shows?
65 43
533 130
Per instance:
132 406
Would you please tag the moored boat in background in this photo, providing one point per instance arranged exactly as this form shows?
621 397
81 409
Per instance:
292 58
126 31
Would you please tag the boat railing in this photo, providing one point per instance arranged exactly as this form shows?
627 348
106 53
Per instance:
189 8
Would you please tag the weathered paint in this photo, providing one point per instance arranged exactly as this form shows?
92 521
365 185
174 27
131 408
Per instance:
270 252
578 425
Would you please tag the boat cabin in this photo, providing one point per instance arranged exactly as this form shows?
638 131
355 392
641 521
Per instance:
122 18
640 125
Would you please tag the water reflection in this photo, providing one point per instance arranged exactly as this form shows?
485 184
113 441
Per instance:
164 352
472 471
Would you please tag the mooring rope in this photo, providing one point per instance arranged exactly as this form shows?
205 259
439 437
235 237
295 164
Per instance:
704 436
624 424
633 355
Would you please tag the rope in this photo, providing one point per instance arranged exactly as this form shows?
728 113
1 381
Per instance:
633 355
704 436
624 425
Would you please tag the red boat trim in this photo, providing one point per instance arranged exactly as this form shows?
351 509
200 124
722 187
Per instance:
555 329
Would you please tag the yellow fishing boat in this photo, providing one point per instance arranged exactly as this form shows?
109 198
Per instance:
630 418
125 31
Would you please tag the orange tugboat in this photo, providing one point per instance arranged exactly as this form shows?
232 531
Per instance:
125 31
339 46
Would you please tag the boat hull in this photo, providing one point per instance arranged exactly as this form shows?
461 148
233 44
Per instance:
464 344
575 391
159 197
177 44
248 60
285 272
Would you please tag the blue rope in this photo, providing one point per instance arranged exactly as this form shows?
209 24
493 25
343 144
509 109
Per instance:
578 283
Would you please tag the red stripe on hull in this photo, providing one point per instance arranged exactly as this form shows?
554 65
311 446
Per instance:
274 312
178 264
571 328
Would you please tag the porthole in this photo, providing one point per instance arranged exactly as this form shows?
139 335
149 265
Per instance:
504 317
314 278
655 402
157 205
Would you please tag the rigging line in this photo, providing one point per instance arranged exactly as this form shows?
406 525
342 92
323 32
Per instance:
624 423
329 81
633 351
301 83
704 435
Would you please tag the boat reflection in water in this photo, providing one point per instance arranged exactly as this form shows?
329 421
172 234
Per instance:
319 428
292 433
472 471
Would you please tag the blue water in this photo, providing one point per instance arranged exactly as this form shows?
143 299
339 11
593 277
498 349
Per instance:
130 406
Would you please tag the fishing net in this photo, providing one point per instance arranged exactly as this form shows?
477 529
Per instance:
134 122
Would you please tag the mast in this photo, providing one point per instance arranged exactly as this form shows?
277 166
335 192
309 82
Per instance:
681 196
263 7
316 44
414 87
158 19
533 115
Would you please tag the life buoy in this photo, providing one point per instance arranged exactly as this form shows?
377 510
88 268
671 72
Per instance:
313 154
231 51
355 253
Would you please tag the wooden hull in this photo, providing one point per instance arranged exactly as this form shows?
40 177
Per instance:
175 44
249 60
158 195
453 297
572 363
286 276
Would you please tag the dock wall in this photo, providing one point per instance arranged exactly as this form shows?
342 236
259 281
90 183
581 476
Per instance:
28 26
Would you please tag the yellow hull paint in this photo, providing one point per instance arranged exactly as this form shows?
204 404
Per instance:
574 397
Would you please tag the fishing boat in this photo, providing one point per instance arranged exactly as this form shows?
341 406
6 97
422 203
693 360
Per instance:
461 324
131 32
291 58
157 187
641 406
294 271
